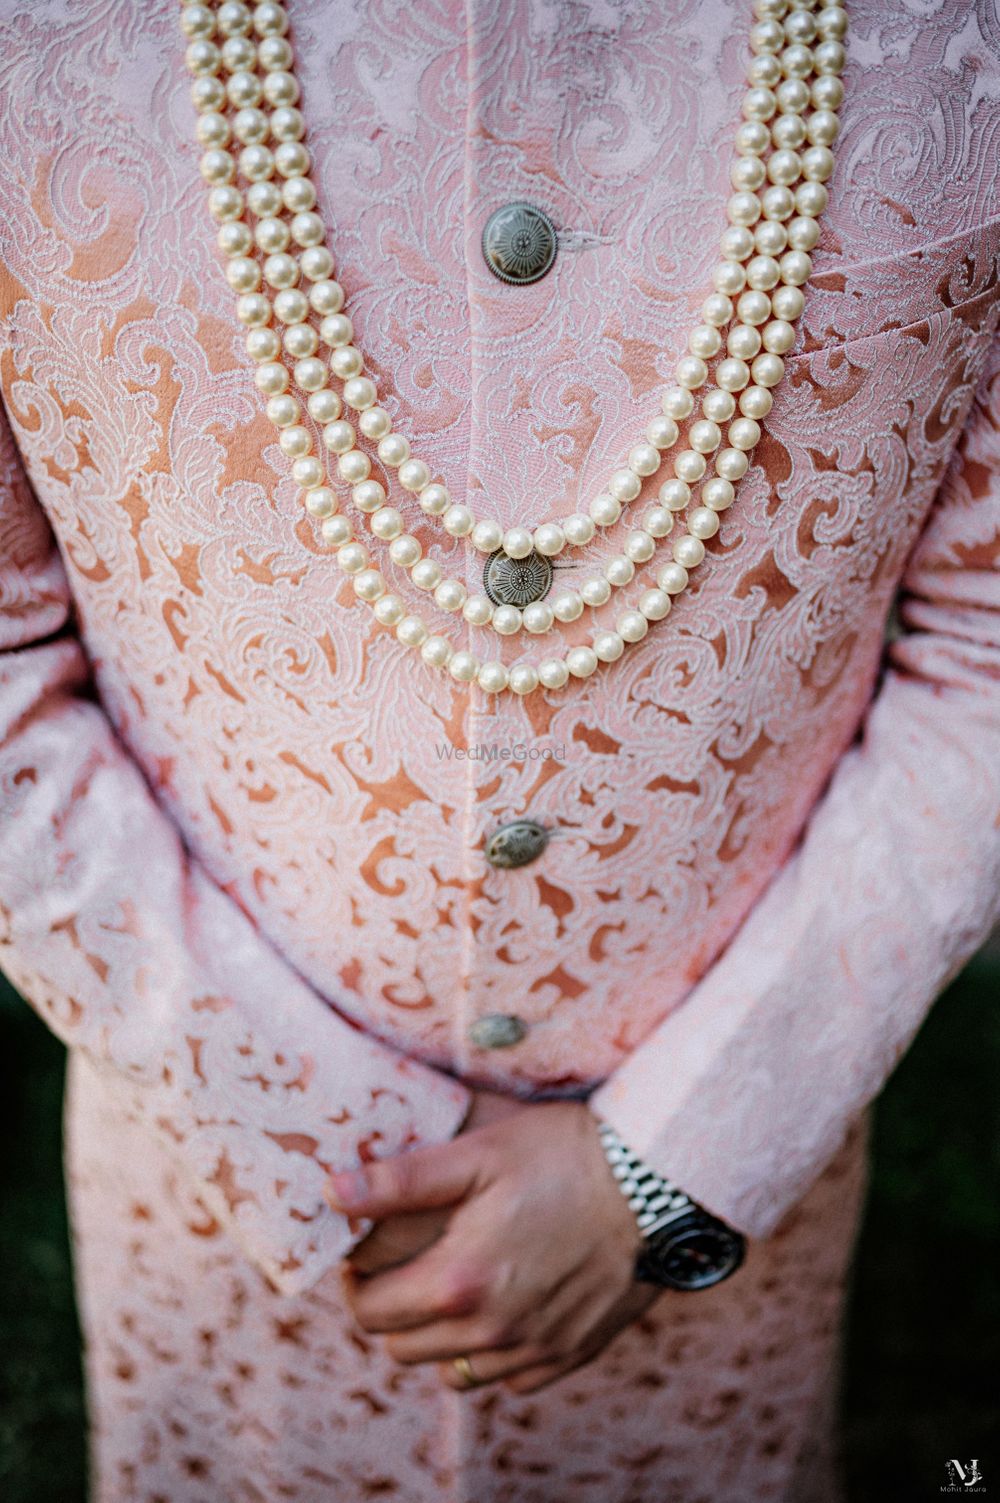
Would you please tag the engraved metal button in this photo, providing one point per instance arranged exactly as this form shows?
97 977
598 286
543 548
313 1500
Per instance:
519 243
516 844
516 581
497 1030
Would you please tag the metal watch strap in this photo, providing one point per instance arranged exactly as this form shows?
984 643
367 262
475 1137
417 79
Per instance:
654 1200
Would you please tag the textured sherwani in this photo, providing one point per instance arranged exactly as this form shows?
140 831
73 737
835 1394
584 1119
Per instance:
242 864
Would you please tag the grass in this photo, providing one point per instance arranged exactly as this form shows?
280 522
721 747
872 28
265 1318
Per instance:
924 1328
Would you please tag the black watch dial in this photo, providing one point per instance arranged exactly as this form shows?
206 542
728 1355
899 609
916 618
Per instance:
692 1254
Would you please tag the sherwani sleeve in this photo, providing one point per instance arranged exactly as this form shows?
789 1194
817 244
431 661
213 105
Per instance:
131 953
744 1093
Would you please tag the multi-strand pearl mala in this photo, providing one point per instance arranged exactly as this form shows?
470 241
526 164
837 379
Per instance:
247 95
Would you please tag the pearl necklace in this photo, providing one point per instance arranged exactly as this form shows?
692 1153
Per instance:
246 94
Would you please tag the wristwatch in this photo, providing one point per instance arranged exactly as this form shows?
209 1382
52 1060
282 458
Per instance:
684 1246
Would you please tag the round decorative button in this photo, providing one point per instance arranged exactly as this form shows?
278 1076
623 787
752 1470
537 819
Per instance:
517 581
519 243
497 1030
516 844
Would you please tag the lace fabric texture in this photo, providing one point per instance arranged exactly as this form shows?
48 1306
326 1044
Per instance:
241 863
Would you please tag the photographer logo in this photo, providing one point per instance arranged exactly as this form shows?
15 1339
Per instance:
963 1477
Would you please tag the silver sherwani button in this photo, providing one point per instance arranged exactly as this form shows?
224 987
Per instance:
516 844
497 1030
519 243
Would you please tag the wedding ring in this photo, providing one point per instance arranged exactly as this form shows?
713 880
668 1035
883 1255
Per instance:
463 1367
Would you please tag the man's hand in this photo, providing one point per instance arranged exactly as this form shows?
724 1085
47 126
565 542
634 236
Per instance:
531 1274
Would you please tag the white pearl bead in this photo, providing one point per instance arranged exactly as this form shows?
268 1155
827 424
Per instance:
336 329
744 433
290 307
326 297
752 138
605 510
478 610
732 374
414 475
644 460
632 625
762 273
770 237
568 605
767 370
295 441
753 307
369 585
287 123
300 341
703 522
507 620
756 402
338 436
352 558
374 422
283 411
579 530
747 174
487 536
263 344
672 578
662 432
389 609
718 405
321 502
225 203
689 466
728 279
523 678
640 545
253 309
316 263
619 570
677 403
778 336
537 617
675 494
787 302
689 551
324 406
411 631
518 542
393 450
704 436
369 496
264 200
718 493
271 379
625 485
743 210
309 472
436 651
434 499
743 341
595 591
426 574
811 199
450 595
553 673
704 341
609 646
359 392
691 372
731 464
492 678
346 362
777 202
458 521
581 661
292 159
550 539
250 126
387 523
795 267
717 309
658 522
655 604
335 531
405 550
310 374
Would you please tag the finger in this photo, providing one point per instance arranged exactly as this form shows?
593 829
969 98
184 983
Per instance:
492 1366
531 1379
419 1180
444 1340
396 1241
440 1284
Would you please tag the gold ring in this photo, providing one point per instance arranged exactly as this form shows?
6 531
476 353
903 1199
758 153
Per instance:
463 1367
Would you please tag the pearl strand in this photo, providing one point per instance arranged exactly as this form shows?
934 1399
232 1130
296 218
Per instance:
764 271
767 37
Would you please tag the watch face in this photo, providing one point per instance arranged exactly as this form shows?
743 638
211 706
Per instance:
693 1256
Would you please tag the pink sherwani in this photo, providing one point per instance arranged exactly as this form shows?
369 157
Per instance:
241 862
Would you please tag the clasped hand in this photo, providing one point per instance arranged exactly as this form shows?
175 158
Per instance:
511 1245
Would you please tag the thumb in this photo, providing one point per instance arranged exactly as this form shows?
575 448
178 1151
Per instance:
422 1179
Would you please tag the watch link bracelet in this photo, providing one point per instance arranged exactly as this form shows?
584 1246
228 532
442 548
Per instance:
684 1246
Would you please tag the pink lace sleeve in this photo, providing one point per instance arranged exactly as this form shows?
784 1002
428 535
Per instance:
745 1092
130 952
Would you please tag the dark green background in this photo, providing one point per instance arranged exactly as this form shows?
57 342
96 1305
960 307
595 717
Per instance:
924 1334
